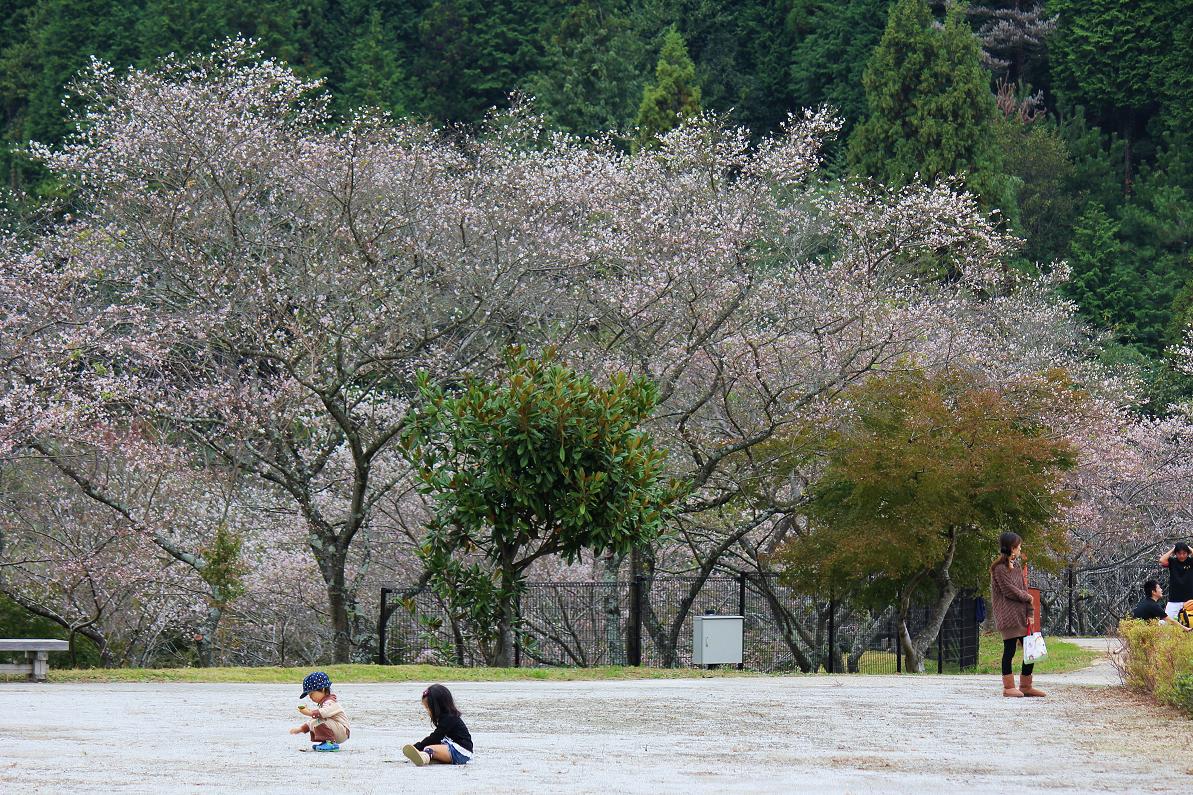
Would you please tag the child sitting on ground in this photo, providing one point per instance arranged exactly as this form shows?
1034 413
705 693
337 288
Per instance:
328 726
450 743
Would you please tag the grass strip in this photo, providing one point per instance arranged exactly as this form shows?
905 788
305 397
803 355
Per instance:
1062 657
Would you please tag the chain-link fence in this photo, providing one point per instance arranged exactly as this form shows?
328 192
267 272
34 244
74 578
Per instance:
648 621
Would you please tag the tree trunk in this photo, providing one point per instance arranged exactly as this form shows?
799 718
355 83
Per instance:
97 638
86 629
503 654
332 558
458 643
864 638
643 565
913 656
685 604
205 641
1128 177
794 634
640 611
337 598
915 649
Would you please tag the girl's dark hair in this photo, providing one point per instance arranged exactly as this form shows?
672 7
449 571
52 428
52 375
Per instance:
1006 545
439 700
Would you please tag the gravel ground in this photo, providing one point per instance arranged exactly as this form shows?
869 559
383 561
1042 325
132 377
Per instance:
813 733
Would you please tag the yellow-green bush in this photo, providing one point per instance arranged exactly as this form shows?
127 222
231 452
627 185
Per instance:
1158 659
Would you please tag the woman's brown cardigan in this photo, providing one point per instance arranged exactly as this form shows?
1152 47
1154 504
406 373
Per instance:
1011 601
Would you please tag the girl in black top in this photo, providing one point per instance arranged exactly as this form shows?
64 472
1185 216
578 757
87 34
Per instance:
450 743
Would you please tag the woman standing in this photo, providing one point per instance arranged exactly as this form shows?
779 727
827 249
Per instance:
1012 612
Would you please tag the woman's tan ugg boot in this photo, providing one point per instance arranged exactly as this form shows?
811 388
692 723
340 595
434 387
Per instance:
1026 688
1008 687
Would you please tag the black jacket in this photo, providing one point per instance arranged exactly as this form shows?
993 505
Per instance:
451 727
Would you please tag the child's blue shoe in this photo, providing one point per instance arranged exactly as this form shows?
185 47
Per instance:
325 746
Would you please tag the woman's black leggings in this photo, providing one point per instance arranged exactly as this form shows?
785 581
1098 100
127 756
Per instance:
1008 654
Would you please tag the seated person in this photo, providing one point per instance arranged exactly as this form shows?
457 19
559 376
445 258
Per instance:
1149 606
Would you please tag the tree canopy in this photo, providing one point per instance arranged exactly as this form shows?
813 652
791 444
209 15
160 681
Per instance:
541 462
920 479
931 114
673 96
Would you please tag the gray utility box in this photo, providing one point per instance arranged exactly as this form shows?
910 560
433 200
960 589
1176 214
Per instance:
716 640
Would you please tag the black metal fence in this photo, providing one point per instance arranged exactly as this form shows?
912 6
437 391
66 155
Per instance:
649 622
1090 601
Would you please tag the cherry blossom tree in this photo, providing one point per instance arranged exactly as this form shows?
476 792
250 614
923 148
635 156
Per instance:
97 570
263 287
250 283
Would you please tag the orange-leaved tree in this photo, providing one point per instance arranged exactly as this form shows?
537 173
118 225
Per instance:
921 473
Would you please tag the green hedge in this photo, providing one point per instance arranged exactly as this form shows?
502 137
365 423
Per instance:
1159 660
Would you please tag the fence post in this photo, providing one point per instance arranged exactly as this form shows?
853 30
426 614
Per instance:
518 630
381 629
635 650
898 645
1071 585
832 633
741 611
940 646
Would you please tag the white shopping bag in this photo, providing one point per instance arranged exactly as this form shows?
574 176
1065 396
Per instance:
1034 649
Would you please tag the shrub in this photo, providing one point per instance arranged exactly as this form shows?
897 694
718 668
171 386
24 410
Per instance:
1159 660
1182 688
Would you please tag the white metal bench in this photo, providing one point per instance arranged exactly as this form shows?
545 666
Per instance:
37 656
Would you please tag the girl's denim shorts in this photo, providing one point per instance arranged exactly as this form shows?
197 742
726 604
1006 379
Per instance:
460 756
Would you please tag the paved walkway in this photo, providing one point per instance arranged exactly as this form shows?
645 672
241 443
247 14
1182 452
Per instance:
773 734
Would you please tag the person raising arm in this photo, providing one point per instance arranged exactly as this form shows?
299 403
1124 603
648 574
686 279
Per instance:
1180 578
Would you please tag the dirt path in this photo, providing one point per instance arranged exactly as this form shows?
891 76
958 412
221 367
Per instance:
853 734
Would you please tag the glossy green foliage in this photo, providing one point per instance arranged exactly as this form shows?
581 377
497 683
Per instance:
541 462
544 459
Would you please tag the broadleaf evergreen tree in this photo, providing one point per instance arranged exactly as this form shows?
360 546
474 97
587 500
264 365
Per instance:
541 462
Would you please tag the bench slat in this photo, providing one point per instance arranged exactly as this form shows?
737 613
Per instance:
33 644
18 668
